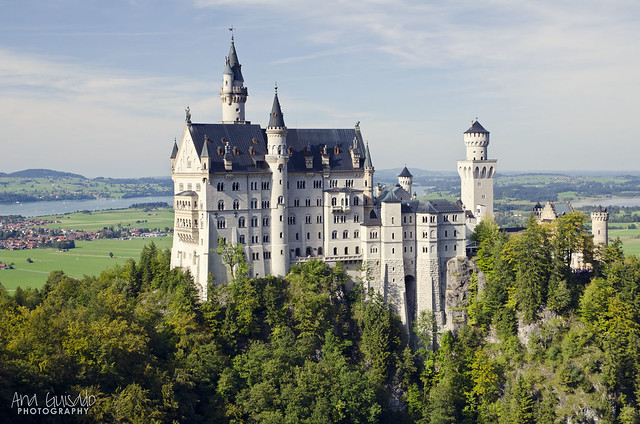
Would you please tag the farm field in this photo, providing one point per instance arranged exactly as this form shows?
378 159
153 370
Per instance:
630 237
93 221
88 258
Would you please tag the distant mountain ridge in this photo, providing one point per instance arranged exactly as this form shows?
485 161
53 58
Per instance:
41 173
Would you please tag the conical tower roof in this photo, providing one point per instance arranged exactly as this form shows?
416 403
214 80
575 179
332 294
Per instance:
476 128
367 158
234 63
174 152
405 173
276 119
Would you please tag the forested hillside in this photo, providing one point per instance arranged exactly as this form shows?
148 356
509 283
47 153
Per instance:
542 344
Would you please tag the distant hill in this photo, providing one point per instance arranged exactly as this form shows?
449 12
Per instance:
41 173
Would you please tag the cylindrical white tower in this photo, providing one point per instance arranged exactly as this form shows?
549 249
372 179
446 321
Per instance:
476 139
405 179
599 226
277 158
233 94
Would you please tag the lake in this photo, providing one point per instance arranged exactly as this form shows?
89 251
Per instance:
613 201
56 207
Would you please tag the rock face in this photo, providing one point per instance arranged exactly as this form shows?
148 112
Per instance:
457 294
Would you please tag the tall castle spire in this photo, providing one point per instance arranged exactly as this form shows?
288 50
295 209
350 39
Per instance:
233 93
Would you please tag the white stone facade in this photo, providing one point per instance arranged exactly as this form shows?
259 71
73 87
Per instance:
289 195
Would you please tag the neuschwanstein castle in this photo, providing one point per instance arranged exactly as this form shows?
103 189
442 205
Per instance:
292 194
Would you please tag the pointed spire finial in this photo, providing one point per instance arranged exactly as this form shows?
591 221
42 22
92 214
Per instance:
187 112
231 29
276 88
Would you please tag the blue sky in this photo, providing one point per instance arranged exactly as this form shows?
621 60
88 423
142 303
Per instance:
99 87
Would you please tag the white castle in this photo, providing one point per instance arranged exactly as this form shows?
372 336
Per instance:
289 195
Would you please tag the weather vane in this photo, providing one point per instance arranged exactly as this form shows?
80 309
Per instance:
231 29
276 87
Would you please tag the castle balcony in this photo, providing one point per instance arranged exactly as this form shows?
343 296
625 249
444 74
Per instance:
187 235
338 208
235 90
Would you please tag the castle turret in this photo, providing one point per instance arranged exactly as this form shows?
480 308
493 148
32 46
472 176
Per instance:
233 93
368 181
599 226
405 179
277 158
477 172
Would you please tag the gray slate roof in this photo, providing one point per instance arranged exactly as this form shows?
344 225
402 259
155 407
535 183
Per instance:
562 208
367 158
235 63
242 135
405 173
476 128
174 152
276 119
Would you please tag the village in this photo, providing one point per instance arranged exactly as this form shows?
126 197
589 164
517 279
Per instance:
18 233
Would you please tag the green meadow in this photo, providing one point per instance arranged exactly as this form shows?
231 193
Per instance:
88 258
630 237
93 221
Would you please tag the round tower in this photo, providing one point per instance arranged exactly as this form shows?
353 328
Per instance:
476 139
233 93
599 226
405 179
277 157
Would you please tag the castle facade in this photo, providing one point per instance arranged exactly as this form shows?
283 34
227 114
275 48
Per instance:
289 195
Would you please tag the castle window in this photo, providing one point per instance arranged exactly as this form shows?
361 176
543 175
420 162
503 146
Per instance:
392 219
265 238
455 218
241 239
393 236
373 234
334 201
345 234
446 247
317 184
334 235
433 219
308 236
445 218
281 235
455 247
307 202
280 200
254 203
265 221
266 255
425 249
318 202
296 202
357 250
265 204
241 222
356 218
297 236
235 186
356 234
307 219
346 250
374 250
335 251
319 235
410 219
254 185
254 221
265 185
292 220
336 150
446 233
455 233
301 184
220 205
319 219
236 204
236 151
393 252
221 223
404 219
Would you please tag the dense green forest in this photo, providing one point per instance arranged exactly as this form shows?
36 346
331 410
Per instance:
542 344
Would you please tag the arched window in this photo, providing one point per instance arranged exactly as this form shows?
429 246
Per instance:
221 223
357 250
280 200
335 251
241 239
220 205
334 234
241 222
346 250
345 234
334 201
355 201
254 221
236 204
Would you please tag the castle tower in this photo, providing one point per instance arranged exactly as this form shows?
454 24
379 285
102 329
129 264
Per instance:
277 158
405 179
233 93
477 172
368 182
599 226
